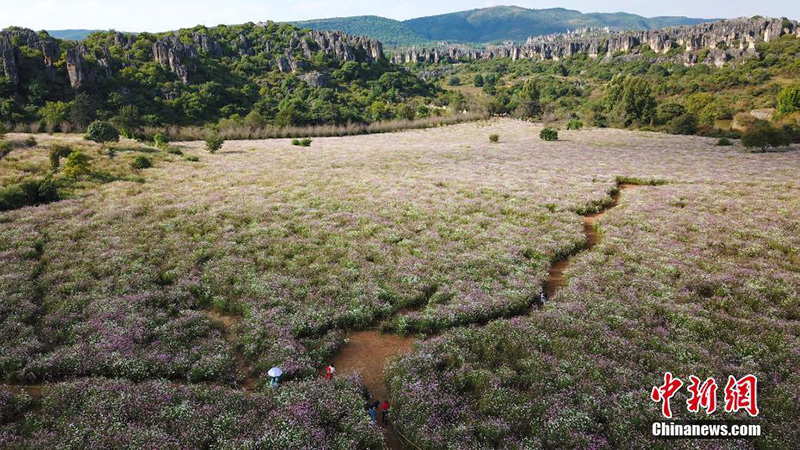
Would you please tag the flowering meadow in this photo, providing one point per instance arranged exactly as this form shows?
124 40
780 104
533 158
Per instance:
100 413
425 232
696 279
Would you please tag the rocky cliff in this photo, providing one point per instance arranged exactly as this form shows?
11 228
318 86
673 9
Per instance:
178 52
726 40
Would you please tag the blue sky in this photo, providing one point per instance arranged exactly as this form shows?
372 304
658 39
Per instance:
162 15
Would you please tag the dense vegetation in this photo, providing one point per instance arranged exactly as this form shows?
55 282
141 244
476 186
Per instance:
641 90
236 82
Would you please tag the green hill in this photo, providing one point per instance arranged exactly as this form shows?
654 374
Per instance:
498 23
501 23
390 32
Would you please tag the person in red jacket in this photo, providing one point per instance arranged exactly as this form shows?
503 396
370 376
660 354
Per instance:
329 371
385 412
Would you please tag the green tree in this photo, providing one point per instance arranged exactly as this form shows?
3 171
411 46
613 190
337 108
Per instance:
478 80
529 105
77 164
128 120
789 100
81 110
54 114
630 101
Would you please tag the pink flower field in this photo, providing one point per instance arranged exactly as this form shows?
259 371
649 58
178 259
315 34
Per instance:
438 233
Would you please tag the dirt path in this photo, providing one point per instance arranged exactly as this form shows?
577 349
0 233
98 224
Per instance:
555 281
367 353
228 324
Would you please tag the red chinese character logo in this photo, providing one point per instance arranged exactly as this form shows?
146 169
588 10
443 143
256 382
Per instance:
665 392
741 394
704 396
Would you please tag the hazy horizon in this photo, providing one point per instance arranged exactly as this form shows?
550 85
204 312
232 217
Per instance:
155 16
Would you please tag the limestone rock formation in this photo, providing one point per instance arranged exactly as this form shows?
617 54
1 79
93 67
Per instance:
726 40
171 53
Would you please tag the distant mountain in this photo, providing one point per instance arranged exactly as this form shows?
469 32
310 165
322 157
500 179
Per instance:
390 32
498 23
70 35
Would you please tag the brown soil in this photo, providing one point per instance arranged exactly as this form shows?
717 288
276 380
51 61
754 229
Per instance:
367 353
555 281
34 390
228 324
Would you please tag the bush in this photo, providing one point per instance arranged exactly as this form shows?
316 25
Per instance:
160 139
494 138
478 80
296 142
77 164
548 134
5 148
724 142
174 151
102 132
141 162
666 112
762 136
302 142
789 100
214 143
192 158
57 152
454 81
792 132
574 124
685 124
33 191
30 141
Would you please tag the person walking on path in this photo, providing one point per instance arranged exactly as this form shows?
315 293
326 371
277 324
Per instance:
385 412
329 371
371 412
543 298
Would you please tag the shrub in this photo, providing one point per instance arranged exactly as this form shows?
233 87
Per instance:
5 148
192 158
32 191
174 151
102 132
494 138
57 152
792 132
724 142
30 141
666 112
454 81
478 80
77 164
160 139
574 124
141 162
306 142
548 134
684 124
762 136
214 143
789 100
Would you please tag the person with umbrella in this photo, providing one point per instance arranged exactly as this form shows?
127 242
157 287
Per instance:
275 373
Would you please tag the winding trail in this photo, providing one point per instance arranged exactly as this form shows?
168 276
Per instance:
367 352
228 324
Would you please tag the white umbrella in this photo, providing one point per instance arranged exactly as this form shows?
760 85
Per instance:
275 372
